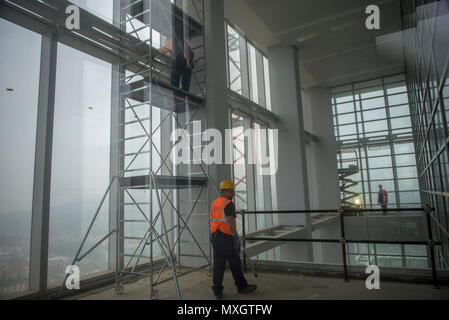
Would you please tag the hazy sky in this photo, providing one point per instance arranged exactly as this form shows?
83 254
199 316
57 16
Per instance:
19 65
81 129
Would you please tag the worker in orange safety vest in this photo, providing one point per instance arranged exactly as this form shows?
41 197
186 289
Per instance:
225 241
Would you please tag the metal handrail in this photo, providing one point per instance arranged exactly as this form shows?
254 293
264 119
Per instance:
426 210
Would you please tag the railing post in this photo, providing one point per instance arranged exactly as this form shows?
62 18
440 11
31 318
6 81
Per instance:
431 245
343 244
242 212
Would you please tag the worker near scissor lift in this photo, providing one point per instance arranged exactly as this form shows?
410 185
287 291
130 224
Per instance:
382 199
225 241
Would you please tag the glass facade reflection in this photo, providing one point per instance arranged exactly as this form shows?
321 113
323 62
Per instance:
373 132
427 58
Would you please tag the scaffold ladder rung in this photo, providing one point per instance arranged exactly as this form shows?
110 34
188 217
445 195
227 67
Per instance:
133 154
134 170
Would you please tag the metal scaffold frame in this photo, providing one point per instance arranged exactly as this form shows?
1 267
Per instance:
145 87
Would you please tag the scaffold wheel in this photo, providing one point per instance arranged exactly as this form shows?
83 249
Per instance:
119 289
154 295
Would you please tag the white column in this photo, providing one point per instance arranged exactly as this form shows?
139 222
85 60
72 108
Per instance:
216 86
291 178
323 175
217 117
325 187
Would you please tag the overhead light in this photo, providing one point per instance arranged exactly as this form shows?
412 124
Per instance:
344 26
306 37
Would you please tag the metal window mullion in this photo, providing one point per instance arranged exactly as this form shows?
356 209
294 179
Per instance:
42 165
250 182
360 153
260 79
117 143
392 153
244 67
228 56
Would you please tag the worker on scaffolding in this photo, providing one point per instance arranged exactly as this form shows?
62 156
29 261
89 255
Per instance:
183 63
225 241
382 199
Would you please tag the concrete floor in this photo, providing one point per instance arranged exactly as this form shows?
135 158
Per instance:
274 286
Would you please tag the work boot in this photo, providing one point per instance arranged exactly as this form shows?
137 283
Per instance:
248 288
219 296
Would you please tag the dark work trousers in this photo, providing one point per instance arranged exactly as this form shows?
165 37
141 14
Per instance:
384 208
179 69
224 251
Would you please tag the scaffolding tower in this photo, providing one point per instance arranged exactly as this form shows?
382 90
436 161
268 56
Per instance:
158 197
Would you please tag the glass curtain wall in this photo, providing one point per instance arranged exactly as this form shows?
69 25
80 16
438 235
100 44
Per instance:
248 69
427 62
373 132
234 61
20 64
80 165
81 145
387 255
254 190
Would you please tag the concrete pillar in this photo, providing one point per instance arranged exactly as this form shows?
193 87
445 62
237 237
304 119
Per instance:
323 175
217 117
291 178
324 189
216 87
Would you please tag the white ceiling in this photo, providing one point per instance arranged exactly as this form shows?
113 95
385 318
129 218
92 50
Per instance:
348 53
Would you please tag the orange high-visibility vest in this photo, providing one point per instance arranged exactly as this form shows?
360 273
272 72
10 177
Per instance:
217 215
384 196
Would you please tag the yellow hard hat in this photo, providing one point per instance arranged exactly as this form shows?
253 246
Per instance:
227 184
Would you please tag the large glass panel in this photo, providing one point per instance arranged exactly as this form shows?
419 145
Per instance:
397 99
405 160
374 114
266 73
346 119
80 166
373 103
406 172
258 177
375 129
399 111
345 107
252 66
408 184
376 126
20 65
235 72
403 122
